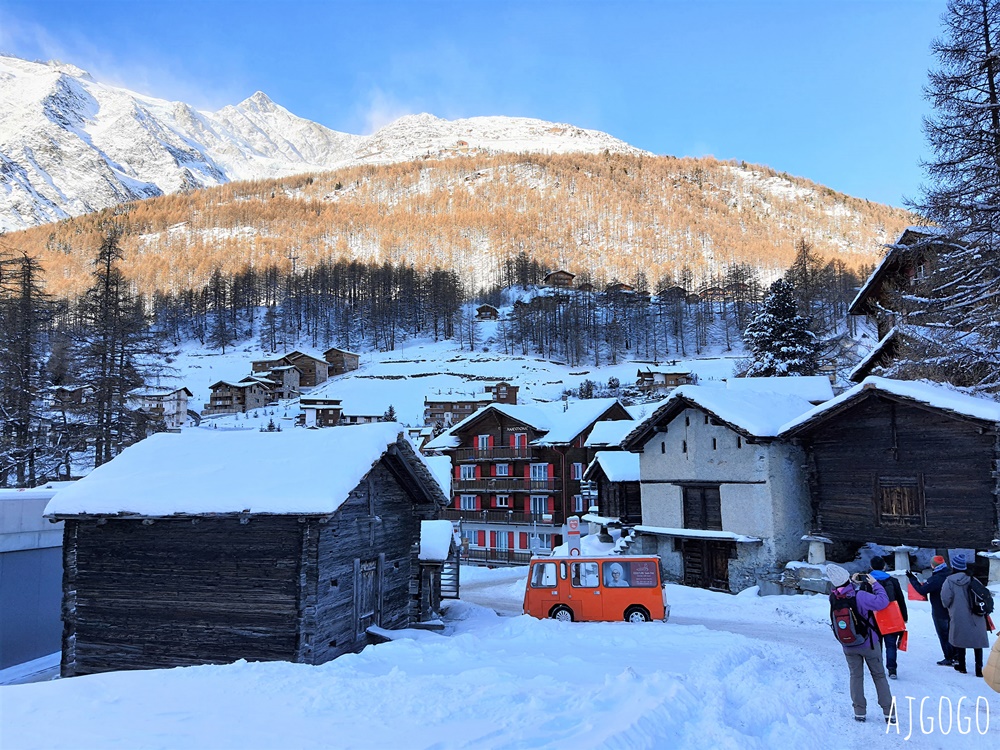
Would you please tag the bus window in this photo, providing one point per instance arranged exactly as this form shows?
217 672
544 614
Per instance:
584 574
543 576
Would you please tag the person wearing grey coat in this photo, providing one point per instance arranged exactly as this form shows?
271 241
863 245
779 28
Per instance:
966 630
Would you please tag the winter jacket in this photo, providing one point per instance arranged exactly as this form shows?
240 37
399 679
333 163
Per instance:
967 630
932 589
866 603
991 672
893 590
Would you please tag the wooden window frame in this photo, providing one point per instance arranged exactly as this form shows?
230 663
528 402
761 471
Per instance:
915 519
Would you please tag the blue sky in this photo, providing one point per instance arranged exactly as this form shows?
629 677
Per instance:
825 89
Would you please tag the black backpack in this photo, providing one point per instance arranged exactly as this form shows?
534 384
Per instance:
849 627
980 599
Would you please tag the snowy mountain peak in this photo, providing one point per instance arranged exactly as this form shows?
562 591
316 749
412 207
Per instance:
70 145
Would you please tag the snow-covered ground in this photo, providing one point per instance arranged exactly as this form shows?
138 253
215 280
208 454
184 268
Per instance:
725 672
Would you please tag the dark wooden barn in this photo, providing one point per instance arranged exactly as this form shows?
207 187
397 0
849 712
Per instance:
903 463
616 474
206 548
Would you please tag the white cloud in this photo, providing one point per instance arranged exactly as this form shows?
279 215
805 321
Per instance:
382 108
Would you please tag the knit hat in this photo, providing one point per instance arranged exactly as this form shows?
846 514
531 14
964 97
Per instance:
877 562
958 561
838 576
937 560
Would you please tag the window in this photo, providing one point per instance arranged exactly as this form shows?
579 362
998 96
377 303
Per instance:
900 501
578 472
663 447
625 573
467 472
540 541
503 470
687 421
539 472
706 419
584 575
503 501
483 442
520 439
543 576
539 505
702 508
468 502
578 503
715 444
739 441
684 446
503 540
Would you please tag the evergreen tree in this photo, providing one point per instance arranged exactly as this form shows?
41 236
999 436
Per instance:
779 338
118 350
390 414
963 190
25 454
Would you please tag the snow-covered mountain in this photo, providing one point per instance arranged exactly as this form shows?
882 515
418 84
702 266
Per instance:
69 144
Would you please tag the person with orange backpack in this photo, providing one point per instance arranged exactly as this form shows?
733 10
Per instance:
853 623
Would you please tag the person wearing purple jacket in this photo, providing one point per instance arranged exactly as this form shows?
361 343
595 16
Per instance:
870 651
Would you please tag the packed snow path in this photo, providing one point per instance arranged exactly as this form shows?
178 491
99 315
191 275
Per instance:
725 672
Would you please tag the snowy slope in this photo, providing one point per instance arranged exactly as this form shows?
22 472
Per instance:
69 144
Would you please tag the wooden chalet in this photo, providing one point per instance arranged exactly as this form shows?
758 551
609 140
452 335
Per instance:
320 411
902 464
341 361
487 312
228 397
672 294
585 287
313 370
663 379
560 279
70 397
208 547
619 286
906 263
616 476
518 472
723 499
449 409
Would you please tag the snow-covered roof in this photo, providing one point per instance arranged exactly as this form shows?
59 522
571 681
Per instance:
157 392
43 492
876 350
934 395
697 534
663 370
618 466
609 433
560 421
435 540
206 471
812 388
754 413
440 468
894 250
341 351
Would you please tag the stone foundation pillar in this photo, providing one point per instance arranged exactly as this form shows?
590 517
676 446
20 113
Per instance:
817 549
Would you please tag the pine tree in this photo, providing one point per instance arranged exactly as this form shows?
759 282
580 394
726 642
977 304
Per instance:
963 190
779 338
390 414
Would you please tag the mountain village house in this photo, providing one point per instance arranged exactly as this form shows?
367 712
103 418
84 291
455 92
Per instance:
663 379
320 411
313 370
518 473
487 312
341 361
207 547
450 408
228 397
559 279
906 465
169 405
615 474
723 500
69 397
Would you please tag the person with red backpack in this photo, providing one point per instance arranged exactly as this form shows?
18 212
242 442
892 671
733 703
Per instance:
895 593
853 623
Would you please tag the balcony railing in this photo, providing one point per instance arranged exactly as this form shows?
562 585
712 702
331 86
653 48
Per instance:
500 453
502 485
495 557
497 515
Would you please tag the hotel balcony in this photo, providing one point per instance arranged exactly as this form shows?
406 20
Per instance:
500 453
498 515
504 485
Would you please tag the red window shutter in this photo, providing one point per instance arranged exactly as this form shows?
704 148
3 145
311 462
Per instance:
479 471
479 503
458 501
513 443
493 501
490 440
527 505
527 472
552 471
552 505
493 470
481 538
524 540
493 540
510 540
458 472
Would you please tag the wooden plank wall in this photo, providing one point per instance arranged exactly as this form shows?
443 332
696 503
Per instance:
956 460
174 592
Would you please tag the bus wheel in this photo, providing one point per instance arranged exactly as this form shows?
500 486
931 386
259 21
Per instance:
562 613
637 614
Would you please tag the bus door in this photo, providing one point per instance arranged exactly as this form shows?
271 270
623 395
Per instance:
585 591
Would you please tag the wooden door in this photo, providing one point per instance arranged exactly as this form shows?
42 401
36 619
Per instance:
367 593
706 563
